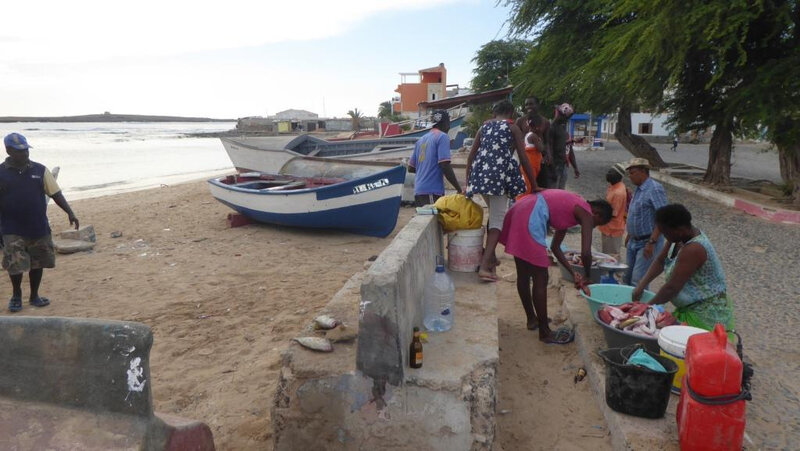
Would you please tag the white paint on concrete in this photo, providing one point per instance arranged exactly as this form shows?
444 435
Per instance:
136 381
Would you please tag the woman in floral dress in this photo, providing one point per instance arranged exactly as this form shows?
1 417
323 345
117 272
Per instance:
493 173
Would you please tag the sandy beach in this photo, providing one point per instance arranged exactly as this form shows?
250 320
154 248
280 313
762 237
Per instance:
223 303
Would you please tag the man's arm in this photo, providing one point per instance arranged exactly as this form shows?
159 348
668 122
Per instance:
571 156
59 199
447 171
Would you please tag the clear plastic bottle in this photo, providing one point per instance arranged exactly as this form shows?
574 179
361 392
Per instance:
438 300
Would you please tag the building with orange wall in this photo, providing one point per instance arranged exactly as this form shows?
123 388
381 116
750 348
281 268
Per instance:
431 85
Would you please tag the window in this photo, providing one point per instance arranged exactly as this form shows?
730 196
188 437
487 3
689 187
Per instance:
646 128
433 96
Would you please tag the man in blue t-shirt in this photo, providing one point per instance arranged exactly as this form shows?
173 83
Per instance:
431 160
27 244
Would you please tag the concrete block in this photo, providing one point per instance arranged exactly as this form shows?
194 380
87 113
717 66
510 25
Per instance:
330 401
238 220
70 383
86 363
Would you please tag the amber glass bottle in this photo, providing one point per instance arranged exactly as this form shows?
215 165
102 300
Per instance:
415 351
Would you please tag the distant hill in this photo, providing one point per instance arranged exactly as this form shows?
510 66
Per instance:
110 118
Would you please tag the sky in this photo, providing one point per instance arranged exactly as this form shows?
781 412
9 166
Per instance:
230 59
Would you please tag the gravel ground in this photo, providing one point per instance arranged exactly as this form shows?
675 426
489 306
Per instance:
761 264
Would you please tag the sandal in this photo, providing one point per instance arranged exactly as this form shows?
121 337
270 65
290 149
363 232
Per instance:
39 302
561 336
14 304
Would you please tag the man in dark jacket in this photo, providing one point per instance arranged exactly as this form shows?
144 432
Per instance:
28 245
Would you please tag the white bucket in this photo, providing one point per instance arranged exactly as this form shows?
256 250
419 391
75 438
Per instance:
673 340
464 250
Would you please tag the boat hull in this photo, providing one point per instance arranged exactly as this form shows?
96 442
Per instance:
367 206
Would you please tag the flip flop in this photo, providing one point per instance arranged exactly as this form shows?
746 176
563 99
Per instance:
562 336
39 302
487 276
14 304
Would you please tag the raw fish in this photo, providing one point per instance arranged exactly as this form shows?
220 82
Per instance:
325 322
315 343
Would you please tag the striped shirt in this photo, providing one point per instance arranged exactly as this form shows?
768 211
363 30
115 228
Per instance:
648 197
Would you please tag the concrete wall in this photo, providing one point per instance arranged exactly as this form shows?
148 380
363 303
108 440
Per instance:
363 395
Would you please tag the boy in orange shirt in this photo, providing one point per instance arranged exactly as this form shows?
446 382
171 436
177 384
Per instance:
534 146
617 196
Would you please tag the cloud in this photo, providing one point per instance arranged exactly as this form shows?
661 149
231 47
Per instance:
89 30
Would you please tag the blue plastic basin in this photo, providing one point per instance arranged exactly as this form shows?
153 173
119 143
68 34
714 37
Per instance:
612 294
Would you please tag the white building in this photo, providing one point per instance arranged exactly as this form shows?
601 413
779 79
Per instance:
302 115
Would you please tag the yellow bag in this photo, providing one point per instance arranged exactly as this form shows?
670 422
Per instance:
457 212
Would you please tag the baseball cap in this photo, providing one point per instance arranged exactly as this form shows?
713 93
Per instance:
634 162
16 141
440 116
565 109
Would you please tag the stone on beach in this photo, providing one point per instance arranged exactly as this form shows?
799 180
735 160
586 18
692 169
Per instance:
69 246
85 233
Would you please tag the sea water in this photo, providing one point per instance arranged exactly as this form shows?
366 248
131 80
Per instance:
106 158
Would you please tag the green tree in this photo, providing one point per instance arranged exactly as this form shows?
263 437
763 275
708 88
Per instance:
495 61
385 110
710 63
355 117
563 64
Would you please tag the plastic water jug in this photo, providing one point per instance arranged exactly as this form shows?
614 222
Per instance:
438 299
711 410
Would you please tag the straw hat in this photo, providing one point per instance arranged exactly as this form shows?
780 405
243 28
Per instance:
637 162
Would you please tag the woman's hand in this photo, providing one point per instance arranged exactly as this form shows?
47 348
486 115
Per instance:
581 284
636 296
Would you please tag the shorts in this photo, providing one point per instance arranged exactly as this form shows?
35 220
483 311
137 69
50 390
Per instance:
421 200
22 254
498 206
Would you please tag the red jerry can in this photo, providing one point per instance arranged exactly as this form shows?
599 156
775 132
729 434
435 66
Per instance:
711 410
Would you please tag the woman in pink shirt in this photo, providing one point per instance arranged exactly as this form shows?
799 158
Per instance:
524 236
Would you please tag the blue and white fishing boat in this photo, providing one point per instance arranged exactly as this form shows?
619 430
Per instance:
349 201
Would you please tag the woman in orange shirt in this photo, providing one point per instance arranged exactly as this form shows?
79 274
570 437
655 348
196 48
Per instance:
617 196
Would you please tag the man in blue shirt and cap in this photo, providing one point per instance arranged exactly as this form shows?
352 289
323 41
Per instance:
28 246
431 160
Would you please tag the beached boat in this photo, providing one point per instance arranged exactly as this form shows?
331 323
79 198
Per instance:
357 200
269 154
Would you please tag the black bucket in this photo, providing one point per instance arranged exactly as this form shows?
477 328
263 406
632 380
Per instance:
636 390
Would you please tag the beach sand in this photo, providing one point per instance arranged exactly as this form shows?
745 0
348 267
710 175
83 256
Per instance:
223 303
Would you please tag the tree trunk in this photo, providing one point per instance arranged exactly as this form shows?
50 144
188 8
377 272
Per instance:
635 144
789 157
718 171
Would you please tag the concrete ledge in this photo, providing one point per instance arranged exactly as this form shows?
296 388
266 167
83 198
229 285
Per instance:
69 383
627 432
326 401
753 208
